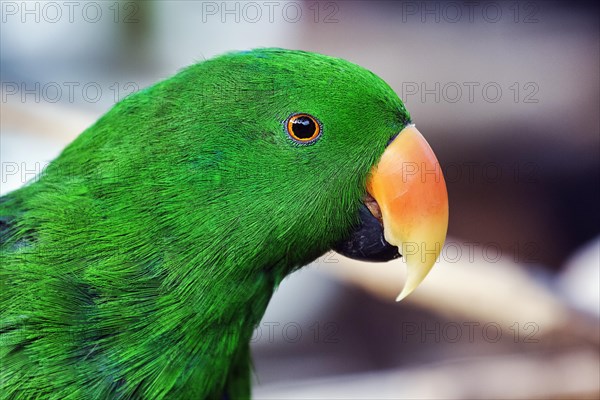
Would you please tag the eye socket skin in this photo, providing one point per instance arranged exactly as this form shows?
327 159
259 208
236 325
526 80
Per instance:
303 128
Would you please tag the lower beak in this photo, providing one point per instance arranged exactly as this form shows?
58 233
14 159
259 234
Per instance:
412 203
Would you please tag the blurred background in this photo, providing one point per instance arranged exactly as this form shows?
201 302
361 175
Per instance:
508 96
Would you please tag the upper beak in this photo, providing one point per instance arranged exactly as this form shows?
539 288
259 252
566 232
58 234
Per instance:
410 192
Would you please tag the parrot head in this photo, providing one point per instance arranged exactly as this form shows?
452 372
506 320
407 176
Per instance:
268 159
300 153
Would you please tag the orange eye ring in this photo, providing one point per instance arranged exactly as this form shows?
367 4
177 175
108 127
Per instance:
303 128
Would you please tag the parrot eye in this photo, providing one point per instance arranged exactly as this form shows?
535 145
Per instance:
303 128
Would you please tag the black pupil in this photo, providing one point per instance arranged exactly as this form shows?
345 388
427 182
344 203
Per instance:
303 127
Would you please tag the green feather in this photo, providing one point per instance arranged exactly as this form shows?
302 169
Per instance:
139 263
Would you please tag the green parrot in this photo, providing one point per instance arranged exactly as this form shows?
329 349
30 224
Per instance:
137 265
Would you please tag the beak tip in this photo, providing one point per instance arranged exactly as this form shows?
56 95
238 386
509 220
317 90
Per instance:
412 282
401 296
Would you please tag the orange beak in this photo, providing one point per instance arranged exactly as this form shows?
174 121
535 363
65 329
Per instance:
409 187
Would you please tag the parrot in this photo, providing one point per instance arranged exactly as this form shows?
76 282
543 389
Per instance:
140 260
